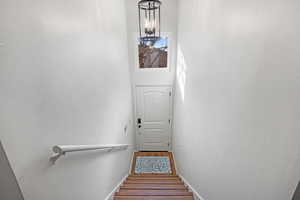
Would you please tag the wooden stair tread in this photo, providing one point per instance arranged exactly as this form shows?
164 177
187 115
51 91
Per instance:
153 198
153 178
154 186
124 192
152 182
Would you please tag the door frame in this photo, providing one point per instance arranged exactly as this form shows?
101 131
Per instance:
137 136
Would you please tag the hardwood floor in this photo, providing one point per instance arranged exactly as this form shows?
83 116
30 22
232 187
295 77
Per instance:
153 186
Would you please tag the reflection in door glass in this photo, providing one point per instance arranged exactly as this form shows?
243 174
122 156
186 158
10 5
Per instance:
153 54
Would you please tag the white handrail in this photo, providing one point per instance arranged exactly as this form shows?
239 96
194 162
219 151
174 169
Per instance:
60 150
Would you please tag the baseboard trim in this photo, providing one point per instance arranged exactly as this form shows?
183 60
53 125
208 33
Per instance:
196 194
116 189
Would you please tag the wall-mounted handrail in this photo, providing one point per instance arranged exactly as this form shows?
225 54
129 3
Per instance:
60 150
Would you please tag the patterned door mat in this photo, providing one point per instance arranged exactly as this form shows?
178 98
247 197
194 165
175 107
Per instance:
153 165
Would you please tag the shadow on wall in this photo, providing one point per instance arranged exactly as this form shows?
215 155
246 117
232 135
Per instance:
9 188
297 193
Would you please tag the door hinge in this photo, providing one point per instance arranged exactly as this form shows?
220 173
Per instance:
170 93
169 121
168 144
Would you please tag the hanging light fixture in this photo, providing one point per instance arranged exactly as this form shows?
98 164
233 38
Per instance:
149 20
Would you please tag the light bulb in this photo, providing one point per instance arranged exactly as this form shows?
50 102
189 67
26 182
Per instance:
147 23
150 26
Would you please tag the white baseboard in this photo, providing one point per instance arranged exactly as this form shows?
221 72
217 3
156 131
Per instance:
116 189
196 194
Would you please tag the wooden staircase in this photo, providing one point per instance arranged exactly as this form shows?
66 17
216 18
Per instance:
153 187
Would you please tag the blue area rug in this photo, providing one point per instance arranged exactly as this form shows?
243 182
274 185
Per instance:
153 165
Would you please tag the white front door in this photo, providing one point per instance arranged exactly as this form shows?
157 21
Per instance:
153 118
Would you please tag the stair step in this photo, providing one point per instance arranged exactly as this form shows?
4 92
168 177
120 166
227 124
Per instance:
154 186
153 178
153 182
153 175
124 192
153 198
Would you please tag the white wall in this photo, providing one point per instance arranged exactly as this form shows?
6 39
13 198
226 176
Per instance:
169 28
237 98
64 79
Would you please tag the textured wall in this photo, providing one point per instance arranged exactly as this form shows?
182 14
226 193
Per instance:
236 129
64 79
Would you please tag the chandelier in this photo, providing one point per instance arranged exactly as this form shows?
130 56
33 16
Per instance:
149 20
